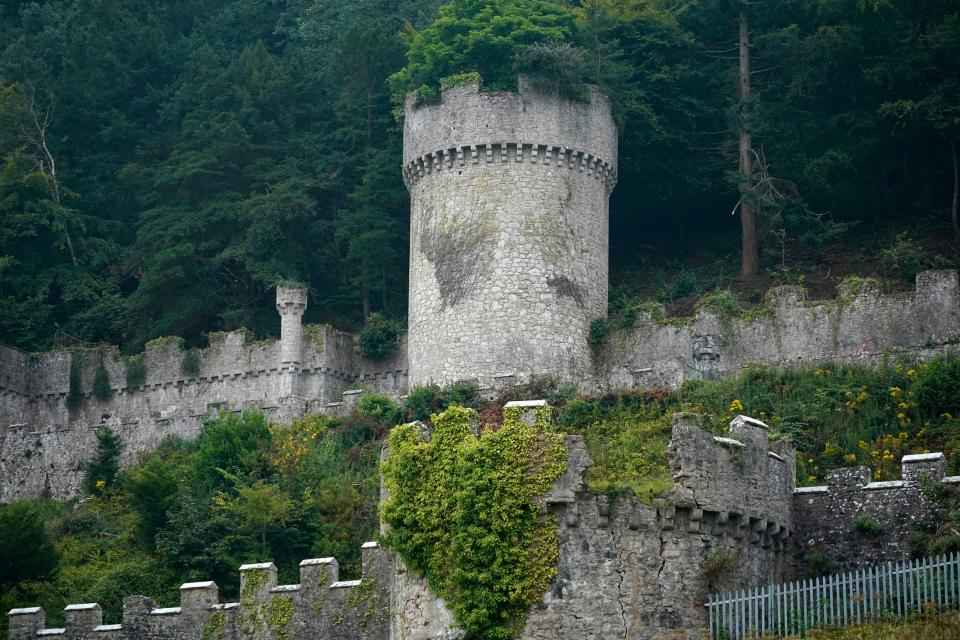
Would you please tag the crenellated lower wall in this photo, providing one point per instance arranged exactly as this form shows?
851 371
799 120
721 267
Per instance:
319 606
891 514
861 325
634 570
46 441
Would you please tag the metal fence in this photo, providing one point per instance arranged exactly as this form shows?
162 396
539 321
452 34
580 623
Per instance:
846 599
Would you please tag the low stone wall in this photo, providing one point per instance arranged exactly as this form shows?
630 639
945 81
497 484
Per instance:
46 441
321 607
828 537
861 325
634 570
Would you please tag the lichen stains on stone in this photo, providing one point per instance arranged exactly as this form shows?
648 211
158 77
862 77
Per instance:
567 288
460 254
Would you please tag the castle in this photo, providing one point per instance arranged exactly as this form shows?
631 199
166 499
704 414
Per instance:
508 268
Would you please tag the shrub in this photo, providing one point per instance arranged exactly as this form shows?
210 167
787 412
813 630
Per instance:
553 67
423 401
599 328
381 408
937 387
465 394
379 337
719 569
101 383
190 365
904 258
136 372
26 552
866 525
75 393
102 471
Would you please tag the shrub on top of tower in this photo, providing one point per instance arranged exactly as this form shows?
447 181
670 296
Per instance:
489 37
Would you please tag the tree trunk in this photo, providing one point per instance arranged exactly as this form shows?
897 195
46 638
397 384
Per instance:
749 263
956 190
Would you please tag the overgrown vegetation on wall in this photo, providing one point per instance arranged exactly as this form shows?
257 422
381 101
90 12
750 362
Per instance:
243 491
464 511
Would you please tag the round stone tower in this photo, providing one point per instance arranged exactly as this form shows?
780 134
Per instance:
508 233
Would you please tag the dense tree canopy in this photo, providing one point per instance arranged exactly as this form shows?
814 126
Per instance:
164 165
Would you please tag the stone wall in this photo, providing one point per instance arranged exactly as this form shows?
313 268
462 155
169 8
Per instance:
320 607
861 325
634 570
508 233
45 443
828 537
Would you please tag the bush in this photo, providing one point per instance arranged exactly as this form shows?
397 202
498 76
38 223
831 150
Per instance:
381 408
867 525
101 383
719 569
26 552
599 328
553 67
937 387
136 372
190 365
102 471
379 337
904 258
422 402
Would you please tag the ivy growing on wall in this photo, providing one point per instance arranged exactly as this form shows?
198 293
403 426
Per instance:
464 510
101 383
74 392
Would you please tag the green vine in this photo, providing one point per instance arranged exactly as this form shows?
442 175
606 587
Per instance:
464 510
214 629
254 579
278 614
363 593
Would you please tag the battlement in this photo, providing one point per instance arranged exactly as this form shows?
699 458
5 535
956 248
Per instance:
465 115
48 424
320 606
852 521
861 325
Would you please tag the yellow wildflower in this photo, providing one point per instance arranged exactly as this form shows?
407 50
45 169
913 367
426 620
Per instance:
850 458
736 405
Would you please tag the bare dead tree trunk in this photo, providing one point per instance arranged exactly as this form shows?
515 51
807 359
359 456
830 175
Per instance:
47 163
956 189
749 262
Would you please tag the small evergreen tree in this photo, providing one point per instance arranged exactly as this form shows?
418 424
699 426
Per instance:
103 470
379 337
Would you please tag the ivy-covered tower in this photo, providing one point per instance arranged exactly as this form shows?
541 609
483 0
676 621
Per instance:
508 232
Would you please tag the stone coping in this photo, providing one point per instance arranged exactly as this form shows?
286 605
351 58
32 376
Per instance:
923 457
315 561
345 584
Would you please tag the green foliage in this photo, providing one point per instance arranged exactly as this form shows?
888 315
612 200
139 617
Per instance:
101 383
866 525
136 372
381 408
26 551
103 471
75 390
719 569
599 328
556 68
480 36
379 337
464 511
904 258
626 436
423 402
190 365
936 387
459 79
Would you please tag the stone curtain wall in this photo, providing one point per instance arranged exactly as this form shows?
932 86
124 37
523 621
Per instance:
788 329
634 570
508 234
320 607
45 444
825 516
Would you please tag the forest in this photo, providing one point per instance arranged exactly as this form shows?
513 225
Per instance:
165 165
